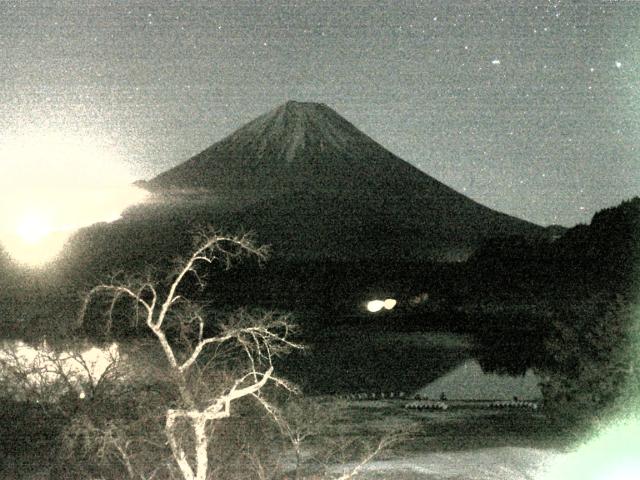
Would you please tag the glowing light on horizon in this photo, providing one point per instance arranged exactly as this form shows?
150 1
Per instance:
34 227
54 183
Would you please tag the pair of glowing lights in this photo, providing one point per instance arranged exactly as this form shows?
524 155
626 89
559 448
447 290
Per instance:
378 305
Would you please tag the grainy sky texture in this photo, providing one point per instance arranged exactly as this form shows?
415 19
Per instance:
529 108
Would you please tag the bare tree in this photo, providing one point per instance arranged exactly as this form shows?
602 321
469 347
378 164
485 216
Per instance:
179 327
45 374
320 448
384 443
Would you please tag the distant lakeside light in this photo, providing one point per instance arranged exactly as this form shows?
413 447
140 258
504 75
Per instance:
374 306
390 303
54 183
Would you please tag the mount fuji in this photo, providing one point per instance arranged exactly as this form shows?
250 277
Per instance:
312 185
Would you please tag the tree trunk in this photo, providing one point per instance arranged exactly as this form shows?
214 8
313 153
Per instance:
176 449
202 459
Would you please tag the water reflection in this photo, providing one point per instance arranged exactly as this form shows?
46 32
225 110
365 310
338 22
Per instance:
469 382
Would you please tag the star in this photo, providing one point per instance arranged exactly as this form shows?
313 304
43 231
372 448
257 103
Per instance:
373 68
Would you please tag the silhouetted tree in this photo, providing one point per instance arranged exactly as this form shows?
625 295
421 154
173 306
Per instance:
206 388
593 360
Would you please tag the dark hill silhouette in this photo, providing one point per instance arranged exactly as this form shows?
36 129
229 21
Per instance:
313 186
601 256
608 249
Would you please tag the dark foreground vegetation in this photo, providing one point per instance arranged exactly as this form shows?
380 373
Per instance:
565 307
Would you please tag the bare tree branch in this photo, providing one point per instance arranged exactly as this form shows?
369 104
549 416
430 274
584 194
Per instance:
382 444
261 338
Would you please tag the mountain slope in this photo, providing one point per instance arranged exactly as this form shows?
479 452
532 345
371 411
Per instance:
295 146
311 184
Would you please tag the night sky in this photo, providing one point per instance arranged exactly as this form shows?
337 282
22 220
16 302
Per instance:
531 110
